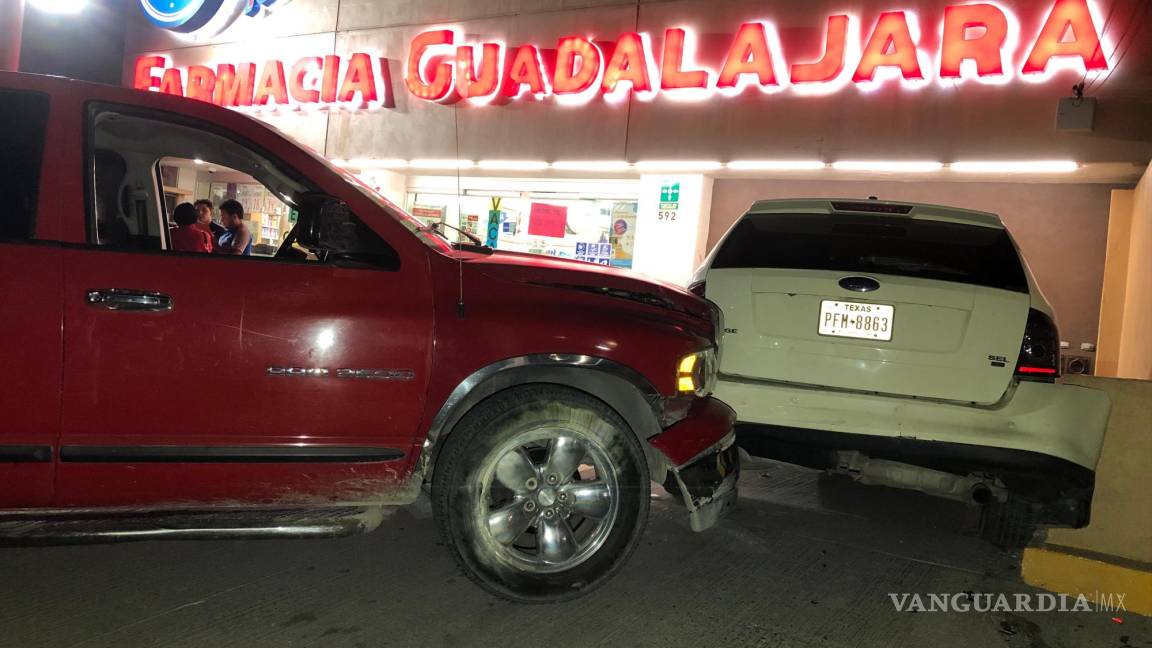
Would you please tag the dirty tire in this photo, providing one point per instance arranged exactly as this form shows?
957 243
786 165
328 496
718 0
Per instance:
1008 525
465 486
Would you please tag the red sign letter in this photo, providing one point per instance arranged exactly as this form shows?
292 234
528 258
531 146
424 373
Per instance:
832 63
201 83
890 45
1085 43
984 49
629 63
296 80
525 69
570 78
171 83
330 78
359 78
441 73
271 85
473 84
672 73
235 87
144 79
748 55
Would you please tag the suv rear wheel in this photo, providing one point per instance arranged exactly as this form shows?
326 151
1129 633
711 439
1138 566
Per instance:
542 492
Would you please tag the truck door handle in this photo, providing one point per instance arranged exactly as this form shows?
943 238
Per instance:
119 299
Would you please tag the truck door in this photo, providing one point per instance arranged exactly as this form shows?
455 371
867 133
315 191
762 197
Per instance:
277 377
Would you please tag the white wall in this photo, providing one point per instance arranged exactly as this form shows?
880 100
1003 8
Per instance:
671 238
1135 358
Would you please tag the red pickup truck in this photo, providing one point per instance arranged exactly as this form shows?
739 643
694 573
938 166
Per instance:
340 369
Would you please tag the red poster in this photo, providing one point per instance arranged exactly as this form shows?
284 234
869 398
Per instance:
547 220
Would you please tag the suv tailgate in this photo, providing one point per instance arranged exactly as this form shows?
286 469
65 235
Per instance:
957 292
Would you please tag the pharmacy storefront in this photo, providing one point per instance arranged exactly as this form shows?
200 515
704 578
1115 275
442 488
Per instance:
634 134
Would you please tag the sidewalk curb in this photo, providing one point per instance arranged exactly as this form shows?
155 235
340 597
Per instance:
1066 573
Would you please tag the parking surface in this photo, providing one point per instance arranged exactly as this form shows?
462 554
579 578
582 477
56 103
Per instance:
803 561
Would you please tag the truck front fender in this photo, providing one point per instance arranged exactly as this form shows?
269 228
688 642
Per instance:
622 388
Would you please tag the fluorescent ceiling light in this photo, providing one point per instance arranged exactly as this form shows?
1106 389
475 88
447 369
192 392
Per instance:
677 165
892 166
374 163
514 165
1016 166
198 161
441 164
555 195
591 165
491 193
775 165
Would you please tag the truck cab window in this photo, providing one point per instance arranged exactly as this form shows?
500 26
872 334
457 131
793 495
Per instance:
175 188
23 119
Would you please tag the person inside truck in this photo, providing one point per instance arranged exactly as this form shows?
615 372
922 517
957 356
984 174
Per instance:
189 235
204 209
236 239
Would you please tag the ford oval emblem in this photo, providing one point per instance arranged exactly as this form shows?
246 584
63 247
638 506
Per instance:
859 284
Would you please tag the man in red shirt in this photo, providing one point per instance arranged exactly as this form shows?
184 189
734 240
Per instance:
189 236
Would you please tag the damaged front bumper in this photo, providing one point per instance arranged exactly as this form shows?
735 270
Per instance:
703 461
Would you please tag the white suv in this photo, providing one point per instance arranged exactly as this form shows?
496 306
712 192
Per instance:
905 345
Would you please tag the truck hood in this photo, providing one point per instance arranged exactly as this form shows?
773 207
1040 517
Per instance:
562 273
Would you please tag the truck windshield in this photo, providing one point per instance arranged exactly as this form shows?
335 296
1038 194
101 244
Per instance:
970 254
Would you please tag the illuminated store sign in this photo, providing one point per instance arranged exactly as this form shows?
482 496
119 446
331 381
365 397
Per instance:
355 81
980 41
203 17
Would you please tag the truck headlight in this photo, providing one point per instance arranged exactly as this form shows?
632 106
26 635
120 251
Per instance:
696 373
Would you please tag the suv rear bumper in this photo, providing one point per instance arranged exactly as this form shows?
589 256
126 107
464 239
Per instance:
1044 437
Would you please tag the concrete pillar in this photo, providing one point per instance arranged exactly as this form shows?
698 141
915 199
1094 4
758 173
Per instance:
1124 349
1115 283
11 27
672 226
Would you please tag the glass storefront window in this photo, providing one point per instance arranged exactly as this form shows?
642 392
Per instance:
598 230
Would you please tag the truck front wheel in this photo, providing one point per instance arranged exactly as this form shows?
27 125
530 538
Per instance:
542 493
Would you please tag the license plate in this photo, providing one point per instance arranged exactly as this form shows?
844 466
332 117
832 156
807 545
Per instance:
856 320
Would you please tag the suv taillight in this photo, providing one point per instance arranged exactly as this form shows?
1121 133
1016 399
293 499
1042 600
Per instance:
1040 349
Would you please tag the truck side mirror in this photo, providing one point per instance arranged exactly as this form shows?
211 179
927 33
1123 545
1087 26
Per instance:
328 227
321 217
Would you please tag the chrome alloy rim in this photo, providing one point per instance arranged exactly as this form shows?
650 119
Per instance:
548 500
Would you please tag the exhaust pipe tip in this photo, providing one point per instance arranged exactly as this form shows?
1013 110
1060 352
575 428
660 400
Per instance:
981 494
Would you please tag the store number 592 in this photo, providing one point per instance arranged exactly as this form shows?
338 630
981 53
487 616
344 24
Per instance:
667 216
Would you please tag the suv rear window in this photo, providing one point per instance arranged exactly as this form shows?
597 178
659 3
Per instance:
23 118
970 254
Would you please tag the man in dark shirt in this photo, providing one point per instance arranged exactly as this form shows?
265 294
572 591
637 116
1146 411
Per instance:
204 209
